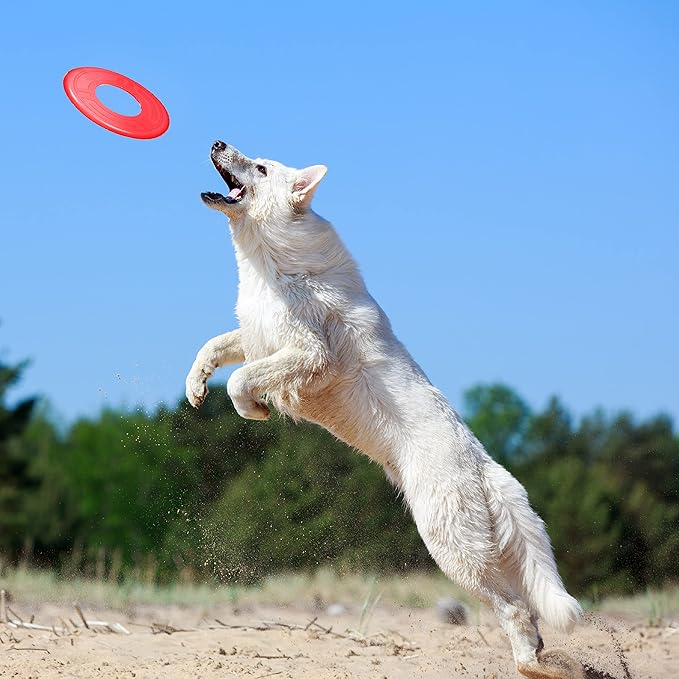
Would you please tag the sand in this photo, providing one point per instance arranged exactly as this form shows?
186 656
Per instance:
396 643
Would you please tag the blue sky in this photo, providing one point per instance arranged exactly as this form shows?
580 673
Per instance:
506 174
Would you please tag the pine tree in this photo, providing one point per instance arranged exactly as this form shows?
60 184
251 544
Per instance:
14 477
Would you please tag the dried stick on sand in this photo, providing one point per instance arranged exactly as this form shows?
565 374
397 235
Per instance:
20 624
94 625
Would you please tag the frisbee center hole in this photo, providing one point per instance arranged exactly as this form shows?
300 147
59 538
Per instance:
118 100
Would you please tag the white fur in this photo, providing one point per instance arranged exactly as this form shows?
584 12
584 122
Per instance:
318 347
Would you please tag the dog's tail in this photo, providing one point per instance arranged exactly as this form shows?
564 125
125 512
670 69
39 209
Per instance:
525 548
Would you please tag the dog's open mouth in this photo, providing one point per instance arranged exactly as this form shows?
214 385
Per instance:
236 189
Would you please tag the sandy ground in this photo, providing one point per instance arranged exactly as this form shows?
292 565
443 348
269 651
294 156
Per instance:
285 643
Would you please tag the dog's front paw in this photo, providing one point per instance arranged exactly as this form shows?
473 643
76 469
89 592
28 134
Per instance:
244 401
196 387
252 410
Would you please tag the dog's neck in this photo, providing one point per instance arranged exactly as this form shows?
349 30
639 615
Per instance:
273 248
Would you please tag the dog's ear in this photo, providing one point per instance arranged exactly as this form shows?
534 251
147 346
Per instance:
306 182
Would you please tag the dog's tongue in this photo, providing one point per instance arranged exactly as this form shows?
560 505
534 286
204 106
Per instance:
234 194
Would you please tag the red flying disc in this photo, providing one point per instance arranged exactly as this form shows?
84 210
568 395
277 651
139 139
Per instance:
81 85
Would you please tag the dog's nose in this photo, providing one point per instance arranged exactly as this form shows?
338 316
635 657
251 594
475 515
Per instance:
218 145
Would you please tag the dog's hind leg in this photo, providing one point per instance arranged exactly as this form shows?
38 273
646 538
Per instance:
453 519
527 645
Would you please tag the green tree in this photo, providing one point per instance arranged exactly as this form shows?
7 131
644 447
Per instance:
582 511
45 503
642 459
14 478
499 418
549 434
223 442
128 481
310 500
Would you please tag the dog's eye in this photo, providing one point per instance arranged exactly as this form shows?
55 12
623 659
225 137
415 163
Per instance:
261 169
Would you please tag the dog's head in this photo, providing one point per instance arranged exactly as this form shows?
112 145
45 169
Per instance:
260 189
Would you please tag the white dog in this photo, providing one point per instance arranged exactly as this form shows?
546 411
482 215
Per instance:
317 346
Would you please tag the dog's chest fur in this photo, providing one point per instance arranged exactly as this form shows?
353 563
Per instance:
260 313
275 311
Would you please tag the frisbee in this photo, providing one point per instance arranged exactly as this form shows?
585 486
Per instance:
81 85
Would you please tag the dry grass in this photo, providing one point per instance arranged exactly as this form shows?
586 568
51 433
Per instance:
656 607
416 590
299 590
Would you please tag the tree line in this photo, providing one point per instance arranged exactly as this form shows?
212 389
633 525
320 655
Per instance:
177 494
